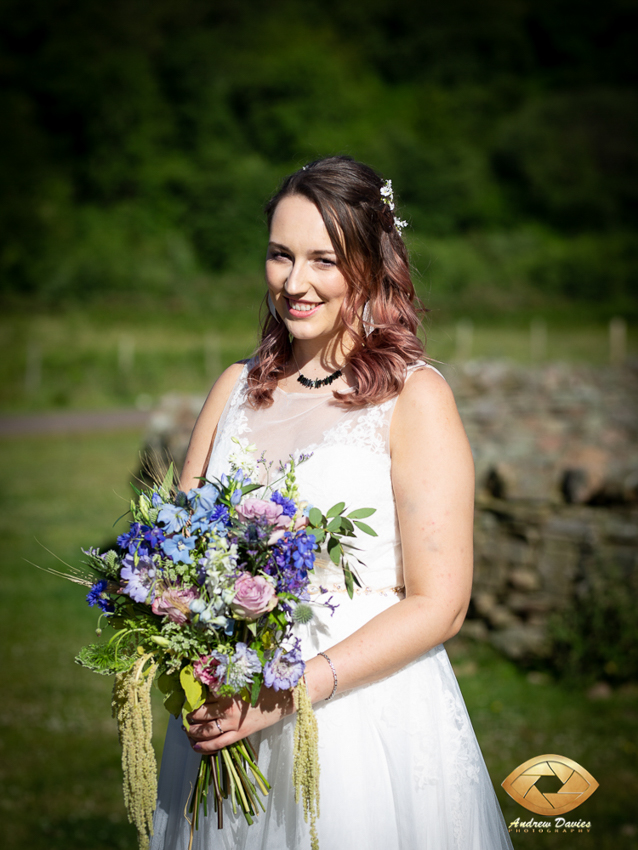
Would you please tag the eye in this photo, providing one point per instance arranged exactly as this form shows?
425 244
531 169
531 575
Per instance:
278 256
327 262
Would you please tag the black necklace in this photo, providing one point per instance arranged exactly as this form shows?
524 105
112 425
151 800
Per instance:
315 383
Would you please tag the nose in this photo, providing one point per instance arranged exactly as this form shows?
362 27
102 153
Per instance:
296 283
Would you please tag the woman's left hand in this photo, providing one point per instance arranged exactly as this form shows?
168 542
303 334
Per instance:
223 720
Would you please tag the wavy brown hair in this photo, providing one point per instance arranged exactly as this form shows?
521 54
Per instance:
373 259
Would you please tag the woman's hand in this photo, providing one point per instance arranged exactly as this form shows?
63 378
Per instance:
224 720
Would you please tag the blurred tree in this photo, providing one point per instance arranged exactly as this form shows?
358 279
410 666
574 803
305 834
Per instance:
141 137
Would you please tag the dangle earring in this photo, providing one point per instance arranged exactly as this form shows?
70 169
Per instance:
273 310
366 318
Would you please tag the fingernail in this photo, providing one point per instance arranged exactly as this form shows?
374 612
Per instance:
197 747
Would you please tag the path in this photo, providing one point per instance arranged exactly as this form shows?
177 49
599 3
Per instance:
72 422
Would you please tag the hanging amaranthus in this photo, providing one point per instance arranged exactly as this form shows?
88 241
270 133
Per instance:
132 708
305 768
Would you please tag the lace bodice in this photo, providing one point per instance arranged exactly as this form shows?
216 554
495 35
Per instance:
349 461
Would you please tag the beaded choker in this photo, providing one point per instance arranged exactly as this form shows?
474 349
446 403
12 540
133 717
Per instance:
315 383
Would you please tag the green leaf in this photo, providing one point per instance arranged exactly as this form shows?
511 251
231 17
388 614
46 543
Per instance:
167 483
174 701
316 517
366 528
248 488
318 533
362 513
334 524
347 575
168 682
254 693
335 510
347 527
194 690
334 550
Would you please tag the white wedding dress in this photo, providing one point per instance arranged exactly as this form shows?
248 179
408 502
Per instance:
400 765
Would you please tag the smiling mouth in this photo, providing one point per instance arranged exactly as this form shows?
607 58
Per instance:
302 307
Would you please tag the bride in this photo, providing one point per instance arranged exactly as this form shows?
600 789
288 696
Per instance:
339 376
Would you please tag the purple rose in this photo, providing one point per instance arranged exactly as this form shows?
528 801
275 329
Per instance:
254 596
174 603
257 508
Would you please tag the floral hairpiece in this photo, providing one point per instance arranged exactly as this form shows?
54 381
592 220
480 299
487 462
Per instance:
388 198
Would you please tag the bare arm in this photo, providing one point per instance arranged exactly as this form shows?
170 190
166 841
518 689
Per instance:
205 428
433 480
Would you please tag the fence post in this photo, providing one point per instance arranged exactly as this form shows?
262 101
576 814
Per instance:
617 341
33 370
464 340
538 340
126 353
212 356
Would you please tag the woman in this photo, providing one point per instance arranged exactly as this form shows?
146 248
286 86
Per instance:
338 375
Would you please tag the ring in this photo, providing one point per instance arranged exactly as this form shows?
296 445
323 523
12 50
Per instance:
219 726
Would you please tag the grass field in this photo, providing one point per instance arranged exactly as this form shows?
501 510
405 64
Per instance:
96 359
60 775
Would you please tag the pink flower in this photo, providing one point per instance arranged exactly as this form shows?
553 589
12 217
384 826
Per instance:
254 596
283 525
174 603
256 508
211 670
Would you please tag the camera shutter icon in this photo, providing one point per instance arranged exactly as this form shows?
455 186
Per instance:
577 785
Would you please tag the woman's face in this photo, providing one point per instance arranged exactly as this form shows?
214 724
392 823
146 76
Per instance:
303 278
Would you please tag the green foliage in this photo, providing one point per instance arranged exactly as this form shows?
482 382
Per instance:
143 146
105 658
598 637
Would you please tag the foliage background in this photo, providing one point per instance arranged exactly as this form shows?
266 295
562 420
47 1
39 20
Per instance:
142 138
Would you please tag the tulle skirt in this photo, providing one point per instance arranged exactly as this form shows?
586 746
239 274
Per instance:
400 766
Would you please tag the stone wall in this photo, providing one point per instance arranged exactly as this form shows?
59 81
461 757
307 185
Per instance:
556 455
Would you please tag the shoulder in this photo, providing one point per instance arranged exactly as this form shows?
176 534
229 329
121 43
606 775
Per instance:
425 410
425 390
221 391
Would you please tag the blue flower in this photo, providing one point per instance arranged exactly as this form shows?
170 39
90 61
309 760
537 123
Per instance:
216 519
204 497
139 578
242 668
178 548
173 517
283 671
288 505
97 596
292 557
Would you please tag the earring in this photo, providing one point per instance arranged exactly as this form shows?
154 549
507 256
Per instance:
272 308
366 318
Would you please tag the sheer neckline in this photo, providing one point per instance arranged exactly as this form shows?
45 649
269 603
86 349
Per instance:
314 395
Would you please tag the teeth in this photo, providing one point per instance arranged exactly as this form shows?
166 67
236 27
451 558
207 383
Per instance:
304 308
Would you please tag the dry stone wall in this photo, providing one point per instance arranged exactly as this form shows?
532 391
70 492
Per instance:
556 455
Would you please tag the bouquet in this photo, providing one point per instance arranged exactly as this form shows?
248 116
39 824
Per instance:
202 596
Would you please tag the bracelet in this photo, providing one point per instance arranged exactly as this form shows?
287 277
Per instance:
334 675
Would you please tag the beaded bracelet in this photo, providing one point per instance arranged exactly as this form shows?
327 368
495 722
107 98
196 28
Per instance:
334 675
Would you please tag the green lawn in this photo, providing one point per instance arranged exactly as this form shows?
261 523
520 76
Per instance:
60 771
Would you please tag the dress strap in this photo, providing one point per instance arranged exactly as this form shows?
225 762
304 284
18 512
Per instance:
229 425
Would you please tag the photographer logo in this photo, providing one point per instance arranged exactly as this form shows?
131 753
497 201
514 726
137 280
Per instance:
550 785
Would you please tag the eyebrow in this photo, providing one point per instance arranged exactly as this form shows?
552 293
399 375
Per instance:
316 252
